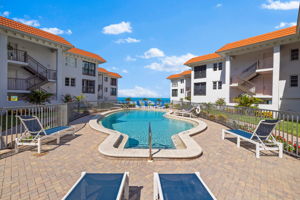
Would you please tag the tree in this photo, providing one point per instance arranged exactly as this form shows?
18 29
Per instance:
247 101
145 99
128 99
158 100
67 98
220 102
79 98
38 97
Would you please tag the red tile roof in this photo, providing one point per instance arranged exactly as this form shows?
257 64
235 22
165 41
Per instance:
260 38
174 76
87 54
113 74
203 58
11 24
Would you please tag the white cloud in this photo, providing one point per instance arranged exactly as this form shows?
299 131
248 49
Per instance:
219 5
171 63
5 14
29 22
114 68
57 31
127 40
138 91
130 59
125 71
115 29
279 5
285 24
153 53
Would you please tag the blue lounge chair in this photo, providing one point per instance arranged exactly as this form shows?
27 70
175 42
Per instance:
146 105
181 186
34 132
138 104
262 137
100 186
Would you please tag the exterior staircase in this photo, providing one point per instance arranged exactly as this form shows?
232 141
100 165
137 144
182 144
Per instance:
243 82
40 74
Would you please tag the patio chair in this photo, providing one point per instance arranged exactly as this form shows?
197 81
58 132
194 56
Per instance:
180 186
184 112
138 104
262 137
100 186
34 132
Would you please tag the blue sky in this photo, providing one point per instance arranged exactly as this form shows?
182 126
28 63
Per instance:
147 40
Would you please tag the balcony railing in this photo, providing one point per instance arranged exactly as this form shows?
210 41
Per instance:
17 55
17 84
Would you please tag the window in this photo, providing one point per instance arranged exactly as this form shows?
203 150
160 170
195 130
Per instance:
200 71
106 89
67 81
113 81
89 68
106 79
294 81
88 86
200 89
219 85
174 93
66 60
295 54
214 85
174 84
220 66
99 87
113 92
181 91
73 82
181 81
215 66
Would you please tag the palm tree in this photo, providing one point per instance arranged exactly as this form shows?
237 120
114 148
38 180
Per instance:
128 99
247 101
145 99
38 97
158 100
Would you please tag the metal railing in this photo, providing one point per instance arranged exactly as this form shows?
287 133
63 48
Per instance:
50 115
17 84
17 55
287 131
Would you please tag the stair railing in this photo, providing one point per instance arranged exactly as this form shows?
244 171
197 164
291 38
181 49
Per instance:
249 70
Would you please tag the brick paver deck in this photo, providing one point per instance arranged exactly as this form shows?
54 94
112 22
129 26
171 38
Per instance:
230 173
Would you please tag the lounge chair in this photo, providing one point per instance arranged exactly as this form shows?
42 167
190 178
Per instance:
34 132
100 186
184 112
180 186
262 137
138 104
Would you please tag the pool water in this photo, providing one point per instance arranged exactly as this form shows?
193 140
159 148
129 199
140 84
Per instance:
135 124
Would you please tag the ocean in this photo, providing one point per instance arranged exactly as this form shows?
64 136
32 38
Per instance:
165 100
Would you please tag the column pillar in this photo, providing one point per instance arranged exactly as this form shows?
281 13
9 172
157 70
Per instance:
3 69
276 76
227 79
59 74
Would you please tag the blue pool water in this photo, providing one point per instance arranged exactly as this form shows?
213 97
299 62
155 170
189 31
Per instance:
135 124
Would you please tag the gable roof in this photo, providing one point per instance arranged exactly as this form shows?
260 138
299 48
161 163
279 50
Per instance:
260 38
174 76
203 58
113 74
11 24
86 54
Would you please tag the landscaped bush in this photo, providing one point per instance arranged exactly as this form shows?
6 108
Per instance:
167 105
212 117
264 114
176 106
222 118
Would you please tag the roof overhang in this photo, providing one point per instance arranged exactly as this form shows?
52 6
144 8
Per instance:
33 38
205 62
260 46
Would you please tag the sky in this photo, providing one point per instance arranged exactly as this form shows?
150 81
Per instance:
147 40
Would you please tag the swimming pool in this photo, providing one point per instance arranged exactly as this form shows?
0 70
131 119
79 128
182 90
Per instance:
135 124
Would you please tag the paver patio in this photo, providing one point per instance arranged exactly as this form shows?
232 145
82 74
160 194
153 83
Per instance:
230 173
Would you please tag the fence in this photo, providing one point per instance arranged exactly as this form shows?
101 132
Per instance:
287 130
49 115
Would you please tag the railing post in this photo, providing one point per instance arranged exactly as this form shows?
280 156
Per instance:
150 143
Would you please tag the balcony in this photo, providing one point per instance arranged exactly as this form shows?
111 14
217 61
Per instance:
17 55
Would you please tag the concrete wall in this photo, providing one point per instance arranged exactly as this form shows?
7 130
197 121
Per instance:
211 76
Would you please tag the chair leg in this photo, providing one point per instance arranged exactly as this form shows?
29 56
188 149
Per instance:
238 142
280 153
257 151
223 134
39 145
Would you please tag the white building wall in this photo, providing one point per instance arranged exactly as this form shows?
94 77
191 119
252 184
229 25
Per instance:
211 95
181 84
107 88
3 69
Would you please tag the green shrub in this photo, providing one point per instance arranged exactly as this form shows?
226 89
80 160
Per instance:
222 118
212 117
221 102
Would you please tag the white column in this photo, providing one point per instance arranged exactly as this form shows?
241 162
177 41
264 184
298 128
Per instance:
59 73
227 79
276 75
3 69
192 86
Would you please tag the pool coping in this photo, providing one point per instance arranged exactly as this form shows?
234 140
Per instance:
113 144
